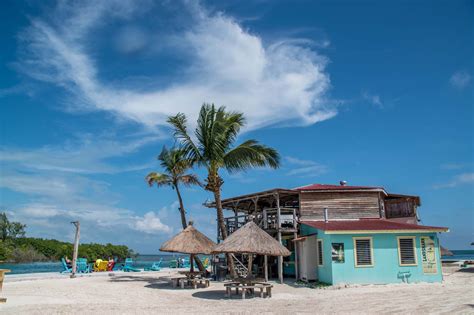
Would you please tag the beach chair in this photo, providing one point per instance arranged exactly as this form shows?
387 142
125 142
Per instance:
82 266
100 265
128 267
65 266
155 267
173 263
186 263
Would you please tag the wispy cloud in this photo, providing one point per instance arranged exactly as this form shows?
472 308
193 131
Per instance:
305 168
228 66
373 99
452 166
458 180
460 79
87 154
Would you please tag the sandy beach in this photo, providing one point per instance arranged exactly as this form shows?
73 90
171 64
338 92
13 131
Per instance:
149 292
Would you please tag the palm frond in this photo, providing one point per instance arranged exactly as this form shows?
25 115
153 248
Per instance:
189 180
159 179
179 124
251 154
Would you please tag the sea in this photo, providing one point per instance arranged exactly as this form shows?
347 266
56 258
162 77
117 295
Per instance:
143 261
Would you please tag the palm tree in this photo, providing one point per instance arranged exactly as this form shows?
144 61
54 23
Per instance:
175 166
214 149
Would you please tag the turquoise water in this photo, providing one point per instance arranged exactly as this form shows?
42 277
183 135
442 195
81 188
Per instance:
141 261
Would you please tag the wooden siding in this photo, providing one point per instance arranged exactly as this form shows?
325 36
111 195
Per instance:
350 205
400 208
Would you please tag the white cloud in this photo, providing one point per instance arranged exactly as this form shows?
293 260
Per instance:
88 154
305 168
280 82
460 79
150 223
373 99
458 180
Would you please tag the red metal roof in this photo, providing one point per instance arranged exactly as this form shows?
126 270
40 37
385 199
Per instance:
370 225
335 187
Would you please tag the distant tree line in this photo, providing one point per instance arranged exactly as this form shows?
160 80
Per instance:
15 247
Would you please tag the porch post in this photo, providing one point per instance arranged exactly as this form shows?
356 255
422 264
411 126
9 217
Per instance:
265 258
295 235
280 258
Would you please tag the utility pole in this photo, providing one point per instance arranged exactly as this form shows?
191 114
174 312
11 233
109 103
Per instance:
76 248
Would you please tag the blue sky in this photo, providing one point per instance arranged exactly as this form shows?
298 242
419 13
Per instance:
373 92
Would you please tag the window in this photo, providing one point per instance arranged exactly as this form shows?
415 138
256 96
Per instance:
407 251
320 252
338 252
363 254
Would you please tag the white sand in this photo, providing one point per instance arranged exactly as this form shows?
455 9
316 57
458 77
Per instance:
145 292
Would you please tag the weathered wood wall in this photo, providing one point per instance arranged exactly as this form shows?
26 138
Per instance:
345 205
400 208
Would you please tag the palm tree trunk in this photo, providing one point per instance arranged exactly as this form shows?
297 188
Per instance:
181 207
184 224
222 227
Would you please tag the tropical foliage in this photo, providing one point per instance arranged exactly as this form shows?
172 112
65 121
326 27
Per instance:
175 165
17 248
213 147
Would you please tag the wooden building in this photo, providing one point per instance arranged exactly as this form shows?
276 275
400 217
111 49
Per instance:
280 211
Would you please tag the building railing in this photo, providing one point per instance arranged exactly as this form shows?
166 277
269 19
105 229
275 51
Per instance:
267 220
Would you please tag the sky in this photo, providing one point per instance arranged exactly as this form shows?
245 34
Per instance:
377 93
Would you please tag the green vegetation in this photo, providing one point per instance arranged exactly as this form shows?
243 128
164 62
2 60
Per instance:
14 247
213 147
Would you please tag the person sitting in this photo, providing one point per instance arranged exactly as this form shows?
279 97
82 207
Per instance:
111 264
68 262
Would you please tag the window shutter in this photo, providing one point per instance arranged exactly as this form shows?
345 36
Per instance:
363 252
406 247
320 252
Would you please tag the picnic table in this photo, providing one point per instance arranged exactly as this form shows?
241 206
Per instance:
245 285
193 278
2 276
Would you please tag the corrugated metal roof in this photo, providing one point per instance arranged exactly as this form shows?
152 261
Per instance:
371 225
335 187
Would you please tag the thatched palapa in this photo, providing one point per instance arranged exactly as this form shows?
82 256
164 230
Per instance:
189 241
250 239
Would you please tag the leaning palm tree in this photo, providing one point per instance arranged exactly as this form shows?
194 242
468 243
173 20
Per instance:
175 165
214 149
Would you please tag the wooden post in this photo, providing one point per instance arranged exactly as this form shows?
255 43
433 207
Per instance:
280 258
265 258
2 276
76 248
192 262
249 274
295 235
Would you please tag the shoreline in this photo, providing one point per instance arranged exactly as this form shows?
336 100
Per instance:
150 293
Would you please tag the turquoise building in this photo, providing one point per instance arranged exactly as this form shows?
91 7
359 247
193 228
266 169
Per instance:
370 251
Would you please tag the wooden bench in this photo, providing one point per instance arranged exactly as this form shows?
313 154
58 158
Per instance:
194 282
264 286
238 286
175 281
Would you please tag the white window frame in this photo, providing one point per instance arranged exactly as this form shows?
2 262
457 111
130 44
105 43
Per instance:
400 253
320 259
372 259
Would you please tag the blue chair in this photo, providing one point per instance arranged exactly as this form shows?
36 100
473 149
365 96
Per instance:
128 267
155 267
65 267
82 266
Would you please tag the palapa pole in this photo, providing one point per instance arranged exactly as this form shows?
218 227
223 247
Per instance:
76 248
192 263
250 265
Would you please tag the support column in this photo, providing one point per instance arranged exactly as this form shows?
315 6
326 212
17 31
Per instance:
265 258
280 258
295 235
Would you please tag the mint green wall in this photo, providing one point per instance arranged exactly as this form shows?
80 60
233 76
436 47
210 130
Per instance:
386 266
324 272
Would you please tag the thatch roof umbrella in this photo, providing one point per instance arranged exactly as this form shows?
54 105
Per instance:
446 252
251 239
189 241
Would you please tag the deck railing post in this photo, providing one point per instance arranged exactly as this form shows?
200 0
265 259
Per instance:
295 235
